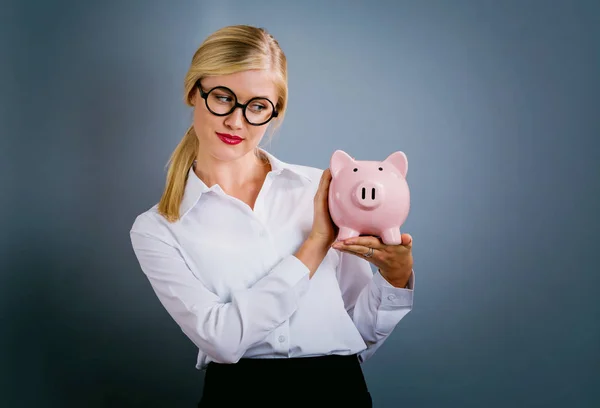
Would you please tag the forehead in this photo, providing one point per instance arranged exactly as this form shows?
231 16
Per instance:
245 84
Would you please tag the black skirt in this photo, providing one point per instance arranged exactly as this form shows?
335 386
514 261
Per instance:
324 381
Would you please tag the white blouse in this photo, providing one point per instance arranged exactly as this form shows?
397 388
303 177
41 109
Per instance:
229 278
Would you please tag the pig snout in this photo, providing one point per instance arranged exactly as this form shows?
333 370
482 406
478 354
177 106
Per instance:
368 194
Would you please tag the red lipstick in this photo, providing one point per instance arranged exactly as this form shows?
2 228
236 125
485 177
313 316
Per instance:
229 139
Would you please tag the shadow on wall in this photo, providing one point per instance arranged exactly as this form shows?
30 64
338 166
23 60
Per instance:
70 346
82 326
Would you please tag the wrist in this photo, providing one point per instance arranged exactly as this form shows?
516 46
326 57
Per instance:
319 240
311 253
397 280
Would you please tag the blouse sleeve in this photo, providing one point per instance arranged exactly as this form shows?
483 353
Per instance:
374 305
224 331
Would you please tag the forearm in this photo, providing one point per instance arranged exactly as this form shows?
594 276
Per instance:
311 253
398 280
223 328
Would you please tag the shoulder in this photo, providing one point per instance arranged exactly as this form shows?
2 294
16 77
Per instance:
150 223
310 173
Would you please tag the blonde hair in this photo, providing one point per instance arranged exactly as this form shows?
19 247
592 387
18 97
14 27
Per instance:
226 51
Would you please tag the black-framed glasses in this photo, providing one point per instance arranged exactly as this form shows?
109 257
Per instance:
221 101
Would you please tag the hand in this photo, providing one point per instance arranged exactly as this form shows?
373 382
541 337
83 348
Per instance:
395 262
323 228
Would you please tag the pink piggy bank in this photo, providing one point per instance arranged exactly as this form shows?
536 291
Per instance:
369 197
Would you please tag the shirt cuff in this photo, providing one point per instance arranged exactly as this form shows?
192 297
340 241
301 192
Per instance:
391 296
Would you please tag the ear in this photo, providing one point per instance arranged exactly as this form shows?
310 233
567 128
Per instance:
339 160
399 161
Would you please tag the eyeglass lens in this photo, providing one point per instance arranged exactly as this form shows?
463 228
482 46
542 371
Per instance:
222 101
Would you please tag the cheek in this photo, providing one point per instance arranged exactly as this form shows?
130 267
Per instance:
199 114
257 132
203 120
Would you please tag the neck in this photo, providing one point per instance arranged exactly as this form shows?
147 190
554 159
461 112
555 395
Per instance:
231 175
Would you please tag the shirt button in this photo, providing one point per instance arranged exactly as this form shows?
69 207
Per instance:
281 339
391 297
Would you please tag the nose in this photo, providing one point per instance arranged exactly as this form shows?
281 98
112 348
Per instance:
235 119
368 194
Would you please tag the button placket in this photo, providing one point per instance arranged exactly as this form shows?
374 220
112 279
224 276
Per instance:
282 338
258 205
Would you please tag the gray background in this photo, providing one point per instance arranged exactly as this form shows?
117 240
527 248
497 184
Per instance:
494 103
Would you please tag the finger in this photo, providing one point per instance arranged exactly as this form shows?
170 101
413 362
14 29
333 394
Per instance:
326 177
367 241
356 249
361 255
323 177
319 191
406 240
324 181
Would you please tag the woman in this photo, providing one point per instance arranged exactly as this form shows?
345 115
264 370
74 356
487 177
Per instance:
241 250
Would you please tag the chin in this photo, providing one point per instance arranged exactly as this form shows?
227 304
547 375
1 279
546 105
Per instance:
229 153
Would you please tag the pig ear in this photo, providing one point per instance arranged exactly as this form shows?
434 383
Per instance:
339 160
399 161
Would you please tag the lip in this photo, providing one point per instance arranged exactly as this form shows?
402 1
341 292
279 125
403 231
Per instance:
229 139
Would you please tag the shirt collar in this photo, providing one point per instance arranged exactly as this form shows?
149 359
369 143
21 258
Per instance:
195 187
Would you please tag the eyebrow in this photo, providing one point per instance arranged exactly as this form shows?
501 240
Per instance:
206 89
256 96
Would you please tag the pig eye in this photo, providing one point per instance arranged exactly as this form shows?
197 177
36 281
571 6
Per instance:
381 169
355 170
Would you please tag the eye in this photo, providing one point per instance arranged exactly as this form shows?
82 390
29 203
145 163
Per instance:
258 107
224 98
355 170
381 169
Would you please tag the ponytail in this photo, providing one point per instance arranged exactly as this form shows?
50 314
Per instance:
180 162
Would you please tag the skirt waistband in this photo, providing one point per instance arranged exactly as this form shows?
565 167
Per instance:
325 381
296 362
